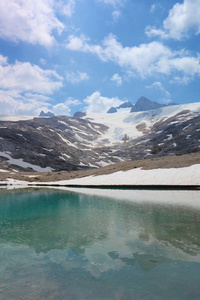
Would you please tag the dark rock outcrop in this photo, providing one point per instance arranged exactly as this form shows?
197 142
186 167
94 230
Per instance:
112 110
79 114
144 104
126 105
48 114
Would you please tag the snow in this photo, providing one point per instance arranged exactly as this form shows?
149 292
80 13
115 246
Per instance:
122 123
47 149
64 123
62 158
143 141
186 127
172 176
40 154
15 118
66 155
3 171
169 137
20 162
66 141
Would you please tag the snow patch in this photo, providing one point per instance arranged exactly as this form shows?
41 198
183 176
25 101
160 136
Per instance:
20 162
1 170
66 141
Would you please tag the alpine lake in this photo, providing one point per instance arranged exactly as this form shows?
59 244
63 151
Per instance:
75 245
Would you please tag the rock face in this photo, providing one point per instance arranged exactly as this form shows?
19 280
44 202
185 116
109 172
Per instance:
48 114
144 104
79 114
126 105
59 143
72 143
112 110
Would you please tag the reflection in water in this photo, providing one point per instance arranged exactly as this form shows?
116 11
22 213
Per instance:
61 245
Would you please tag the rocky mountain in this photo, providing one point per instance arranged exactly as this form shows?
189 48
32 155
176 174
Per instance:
48 114
142 104
95 139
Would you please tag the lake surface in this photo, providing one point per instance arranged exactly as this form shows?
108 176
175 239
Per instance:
62 245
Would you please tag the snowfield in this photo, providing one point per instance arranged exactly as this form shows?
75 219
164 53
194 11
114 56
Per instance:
187 176
174 176
124 122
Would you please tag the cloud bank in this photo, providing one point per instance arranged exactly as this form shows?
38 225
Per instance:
24 87
181 19
33 22
145 59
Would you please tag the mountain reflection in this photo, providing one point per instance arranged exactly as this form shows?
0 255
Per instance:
108 233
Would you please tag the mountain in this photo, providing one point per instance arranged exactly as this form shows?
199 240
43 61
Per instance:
125 105
48 114
144 104
97 139
112 110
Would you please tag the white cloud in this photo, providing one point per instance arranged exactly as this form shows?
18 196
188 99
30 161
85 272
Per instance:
146 59
181 19
64 108
114 3
181 80
24 87
29 21
117 5
43 61
117 79
97 103
66 9
158 85
76 77
3 60
72 102
12 102
61 109
153 7
27 77
116 14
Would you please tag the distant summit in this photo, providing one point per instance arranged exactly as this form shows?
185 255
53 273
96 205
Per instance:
125 105
144 104
48 114
112 110
79 114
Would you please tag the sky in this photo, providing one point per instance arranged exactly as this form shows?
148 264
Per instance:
65 56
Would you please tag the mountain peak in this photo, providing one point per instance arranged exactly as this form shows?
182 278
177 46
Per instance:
48 114
144 104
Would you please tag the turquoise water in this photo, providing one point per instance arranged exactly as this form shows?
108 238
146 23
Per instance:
62 245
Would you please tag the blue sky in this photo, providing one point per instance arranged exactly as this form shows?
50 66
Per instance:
89 55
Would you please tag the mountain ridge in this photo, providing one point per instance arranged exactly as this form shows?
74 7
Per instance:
142 104
93 140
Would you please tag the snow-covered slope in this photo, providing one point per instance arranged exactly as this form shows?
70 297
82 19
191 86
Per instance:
96 139
124 122
15 118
